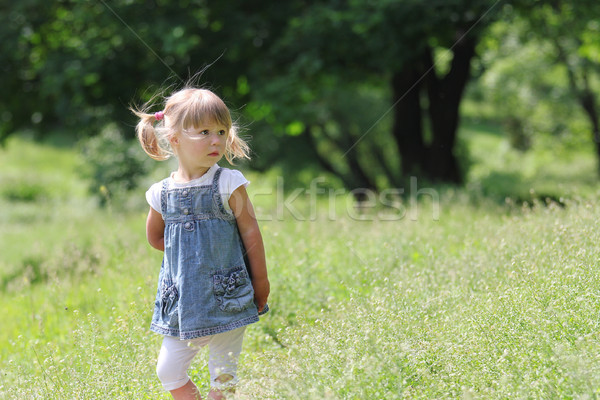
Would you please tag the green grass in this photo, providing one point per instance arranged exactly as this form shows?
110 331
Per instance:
490 300
552 169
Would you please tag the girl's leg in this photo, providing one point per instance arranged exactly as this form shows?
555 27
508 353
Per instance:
224 352
173 362
220 394
189 391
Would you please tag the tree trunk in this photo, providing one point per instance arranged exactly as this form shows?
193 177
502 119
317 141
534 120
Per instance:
437 160
588 103
445 95
408 124
357 179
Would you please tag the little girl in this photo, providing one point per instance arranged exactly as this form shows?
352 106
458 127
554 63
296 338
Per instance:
213 280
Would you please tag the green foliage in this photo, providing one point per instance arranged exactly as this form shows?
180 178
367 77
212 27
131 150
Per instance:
113 164
541 73
22 191
528 91
77 63
360 49
552 171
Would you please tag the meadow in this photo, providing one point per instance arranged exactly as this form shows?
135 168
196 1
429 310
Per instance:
491 291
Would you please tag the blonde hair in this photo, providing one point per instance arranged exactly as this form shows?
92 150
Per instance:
185 109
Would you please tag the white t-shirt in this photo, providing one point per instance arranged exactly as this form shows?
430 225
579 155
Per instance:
229 180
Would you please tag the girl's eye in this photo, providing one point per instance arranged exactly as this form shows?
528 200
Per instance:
222 132
204 132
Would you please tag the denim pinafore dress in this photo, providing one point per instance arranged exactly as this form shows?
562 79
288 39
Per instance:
203 287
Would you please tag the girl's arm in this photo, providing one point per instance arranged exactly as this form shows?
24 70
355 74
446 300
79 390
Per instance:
155 230
248 226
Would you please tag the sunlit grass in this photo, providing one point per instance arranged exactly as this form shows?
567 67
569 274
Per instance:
488 300
552 168
485 307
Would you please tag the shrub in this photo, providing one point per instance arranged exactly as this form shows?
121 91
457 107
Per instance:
112 163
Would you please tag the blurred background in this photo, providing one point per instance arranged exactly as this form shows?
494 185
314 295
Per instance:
488 95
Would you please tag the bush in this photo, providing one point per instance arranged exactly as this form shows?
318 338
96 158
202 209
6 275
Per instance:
113 164
22 191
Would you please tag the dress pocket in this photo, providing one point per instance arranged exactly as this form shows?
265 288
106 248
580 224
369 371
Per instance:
233 290
169 299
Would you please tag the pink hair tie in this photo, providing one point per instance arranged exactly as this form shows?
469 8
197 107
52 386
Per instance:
159 115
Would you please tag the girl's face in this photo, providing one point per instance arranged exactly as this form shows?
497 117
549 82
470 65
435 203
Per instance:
201 147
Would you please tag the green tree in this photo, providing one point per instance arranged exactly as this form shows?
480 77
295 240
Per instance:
390 45
78 64
572 29
371 89
523 87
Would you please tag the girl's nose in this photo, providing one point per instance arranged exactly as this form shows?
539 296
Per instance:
215 139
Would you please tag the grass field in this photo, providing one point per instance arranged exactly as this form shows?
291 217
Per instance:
489 299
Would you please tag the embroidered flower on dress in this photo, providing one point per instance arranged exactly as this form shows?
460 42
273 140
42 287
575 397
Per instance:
169 291
232 282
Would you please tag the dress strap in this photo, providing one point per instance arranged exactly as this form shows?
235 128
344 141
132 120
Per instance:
216 193
215 190
215 182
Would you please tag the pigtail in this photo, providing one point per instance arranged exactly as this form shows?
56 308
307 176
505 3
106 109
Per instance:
236 146
150 133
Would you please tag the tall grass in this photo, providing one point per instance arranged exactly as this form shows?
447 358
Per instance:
480 307
487 300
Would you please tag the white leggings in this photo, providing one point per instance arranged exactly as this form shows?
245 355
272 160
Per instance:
176 357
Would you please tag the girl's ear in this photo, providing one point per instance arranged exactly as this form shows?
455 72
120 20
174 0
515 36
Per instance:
174 140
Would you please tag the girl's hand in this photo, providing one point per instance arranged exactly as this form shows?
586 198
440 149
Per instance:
261 293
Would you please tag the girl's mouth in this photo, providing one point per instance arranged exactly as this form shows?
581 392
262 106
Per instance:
214 154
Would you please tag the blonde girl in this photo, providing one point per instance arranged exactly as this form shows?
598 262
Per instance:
213 279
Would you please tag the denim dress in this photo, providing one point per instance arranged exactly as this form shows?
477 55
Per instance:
204 287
